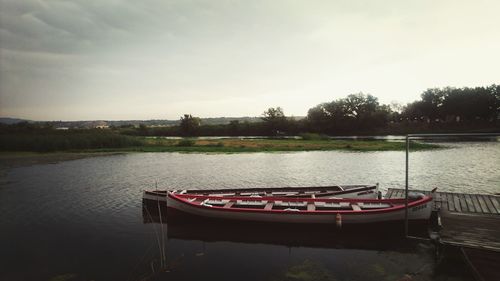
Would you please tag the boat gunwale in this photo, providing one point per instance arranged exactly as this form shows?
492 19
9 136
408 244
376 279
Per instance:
350 189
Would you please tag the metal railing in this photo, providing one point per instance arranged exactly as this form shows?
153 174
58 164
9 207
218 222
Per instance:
432 136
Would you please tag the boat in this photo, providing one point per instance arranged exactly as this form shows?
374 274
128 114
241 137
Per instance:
338 191
301 210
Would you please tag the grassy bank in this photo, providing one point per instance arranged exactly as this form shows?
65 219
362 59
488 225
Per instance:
267 145
44 141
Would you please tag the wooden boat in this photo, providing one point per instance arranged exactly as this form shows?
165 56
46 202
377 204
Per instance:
345 191
301 210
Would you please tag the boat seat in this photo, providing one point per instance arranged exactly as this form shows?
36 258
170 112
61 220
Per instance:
355 207
251 202
290 204
284 193
222 194
340 205
217 201
249 193
374 205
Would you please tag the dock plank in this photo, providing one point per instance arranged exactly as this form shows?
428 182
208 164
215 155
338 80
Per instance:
476 203
451 203
495 202
463 203
484 208
490 206
470 205
456 201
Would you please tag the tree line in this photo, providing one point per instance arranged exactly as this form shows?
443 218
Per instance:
438 109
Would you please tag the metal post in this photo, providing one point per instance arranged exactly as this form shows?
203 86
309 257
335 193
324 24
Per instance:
406 184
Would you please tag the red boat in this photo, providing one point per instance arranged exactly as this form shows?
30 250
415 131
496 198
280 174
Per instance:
302 210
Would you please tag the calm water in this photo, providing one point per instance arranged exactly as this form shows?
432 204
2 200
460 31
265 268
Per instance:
83 219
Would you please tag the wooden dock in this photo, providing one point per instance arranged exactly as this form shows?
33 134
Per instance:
471 222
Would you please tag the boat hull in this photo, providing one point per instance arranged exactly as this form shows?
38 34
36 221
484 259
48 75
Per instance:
420 212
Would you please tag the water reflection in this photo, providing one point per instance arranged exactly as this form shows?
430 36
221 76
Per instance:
209 249
84 218
186 227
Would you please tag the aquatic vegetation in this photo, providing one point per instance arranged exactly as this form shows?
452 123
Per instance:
306 271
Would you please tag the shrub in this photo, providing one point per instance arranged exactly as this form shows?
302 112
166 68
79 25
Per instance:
312 136
186 142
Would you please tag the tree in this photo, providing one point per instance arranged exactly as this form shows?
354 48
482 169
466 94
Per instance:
360 105
275 120
480 103
234 128
189 125
432 102
356 111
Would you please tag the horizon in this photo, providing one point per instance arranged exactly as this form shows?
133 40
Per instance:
118 120
128 60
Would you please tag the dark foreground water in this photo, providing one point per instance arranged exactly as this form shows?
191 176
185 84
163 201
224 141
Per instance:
83 219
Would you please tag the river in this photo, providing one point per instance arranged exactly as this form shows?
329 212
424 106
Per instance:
83 219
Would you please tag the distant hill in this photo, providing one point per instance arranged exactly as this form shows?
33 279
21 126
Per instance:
9 121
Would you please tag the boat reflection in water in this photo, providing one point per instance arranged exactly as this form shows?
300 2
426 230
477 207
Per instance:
376 236
270 251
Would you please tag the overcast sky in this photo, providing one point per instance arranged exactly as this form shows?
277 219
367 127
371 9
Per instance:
130 59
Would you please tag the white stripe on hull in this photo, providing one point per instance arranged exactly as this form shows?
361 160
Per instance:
420 212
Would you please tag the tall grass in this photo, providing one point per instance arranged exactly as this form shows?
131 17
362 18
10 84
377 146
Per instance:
47 141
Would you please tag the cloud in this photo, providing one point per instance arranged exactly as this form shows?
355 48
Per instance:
211 56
